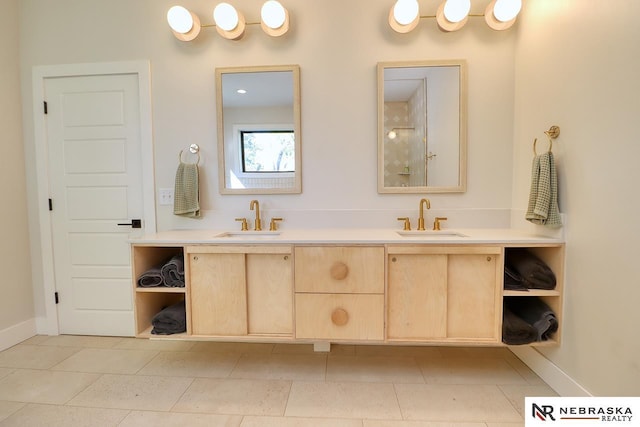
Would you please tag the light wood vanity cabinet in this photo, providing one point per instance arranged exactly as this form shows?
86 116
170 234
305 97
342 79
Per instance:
240 290
394 293
444 293
339 292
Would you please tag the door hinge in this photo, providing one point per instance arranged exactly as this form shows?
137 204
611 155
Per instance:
50 204
56 297
46 107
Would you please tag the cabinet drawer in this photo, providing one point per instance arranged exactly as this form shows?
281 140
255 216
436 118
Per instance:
347 269
340 316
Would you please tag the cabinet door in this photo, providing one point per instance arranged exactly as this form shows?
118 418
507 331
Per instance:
218 294
417 296
270 294
473 297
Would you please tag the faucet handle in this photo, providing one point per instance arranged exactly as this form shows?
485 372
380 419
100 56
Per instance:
436 222
273 225
245 226
407 223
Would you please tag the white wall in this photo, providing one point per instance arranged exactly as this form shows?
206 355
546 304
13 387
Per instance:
16 300
337 54
577 66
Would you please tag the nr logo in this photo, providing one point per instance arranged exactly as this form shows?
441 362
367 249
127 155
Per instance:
543 412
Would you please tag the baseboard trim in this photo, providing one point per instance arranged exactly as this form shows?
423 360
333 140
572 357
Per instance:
555 377
17 333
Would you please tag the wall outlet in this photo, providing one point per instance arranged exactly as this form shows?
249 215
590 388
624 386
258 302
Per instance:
165 196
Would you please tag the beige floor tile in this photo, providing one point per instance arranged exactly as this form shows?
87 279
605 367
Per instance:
385 423
459 403
36 340
469 371
155 345
235 396
343 349
475 352
106 361
37 386
232 347
82 341
34 356
342 400
506 424
8 408
5 371
524 371
298 422
398 351
169 419
64 416
373 369
293 349
192 364
132 392
516 394
302 367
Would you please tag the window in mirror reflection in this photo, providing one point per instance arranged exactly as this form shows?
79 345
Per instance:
268 151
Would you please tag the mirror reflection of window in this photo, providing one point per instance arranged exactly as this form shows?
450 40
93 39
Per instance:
258 117
268 151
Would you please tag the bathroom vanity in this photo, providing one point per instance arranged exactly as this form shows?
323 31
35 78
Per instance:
342 286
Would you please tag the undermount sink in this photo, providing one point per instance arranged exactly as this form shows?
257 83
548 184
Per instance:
430 234
249 234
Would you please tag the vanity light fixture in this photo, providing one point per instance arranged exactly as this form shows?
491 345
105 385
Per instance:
228 21
184 24
452 15
404 15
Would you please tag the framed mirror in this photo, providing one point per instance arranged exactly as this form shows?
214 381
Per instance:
258 116
422 127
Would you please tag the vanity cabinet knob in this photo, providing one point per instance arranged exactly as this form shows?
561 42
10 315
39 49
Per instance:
339 270
339 317
195 258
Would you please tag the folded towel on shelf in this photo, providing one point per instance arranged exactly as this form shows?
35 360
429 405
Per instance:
512 280
186 197
528 269
536 313
171 320
173 272
516 331
543 197
151 278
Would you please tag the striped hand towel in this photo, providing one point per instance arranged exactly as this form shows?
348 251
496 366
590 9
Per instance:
186 201
543 198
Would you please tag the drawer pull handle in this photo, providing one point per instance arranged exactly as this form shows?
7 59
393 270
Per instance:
339 270
339 317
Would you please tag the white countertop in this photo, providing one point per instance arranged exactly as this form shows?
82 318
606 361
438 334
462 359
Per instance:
345 236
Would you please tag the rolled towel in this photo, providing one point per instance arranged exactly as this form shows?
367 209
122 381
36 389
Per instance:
151 278
516 331
536 313
534 272
173 272
171 320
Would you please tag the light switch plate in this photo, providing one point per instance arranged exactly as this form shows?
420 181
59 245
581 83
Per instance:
165 196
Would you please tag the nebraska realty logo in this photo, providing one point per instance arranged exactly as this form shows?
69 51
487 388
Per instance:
582 411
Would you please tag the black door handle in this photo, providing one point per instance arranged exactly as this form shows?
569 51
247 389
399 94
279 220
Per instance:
135 223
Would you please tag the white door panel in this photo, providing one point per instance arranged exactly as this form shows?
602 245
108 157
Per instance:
93 135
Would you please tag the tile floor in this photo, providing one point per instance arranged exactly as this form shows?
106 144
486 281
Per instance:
105 381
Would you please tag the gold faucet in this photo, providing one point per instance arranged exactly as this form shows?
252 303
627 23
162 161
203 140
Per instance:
423 202
258 223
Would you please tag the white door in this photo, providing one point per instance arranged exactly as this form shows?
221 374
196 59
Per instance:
95 185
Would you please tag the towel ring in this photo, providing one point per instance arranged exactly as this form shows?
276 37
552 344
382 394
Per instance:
552 133
196 153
